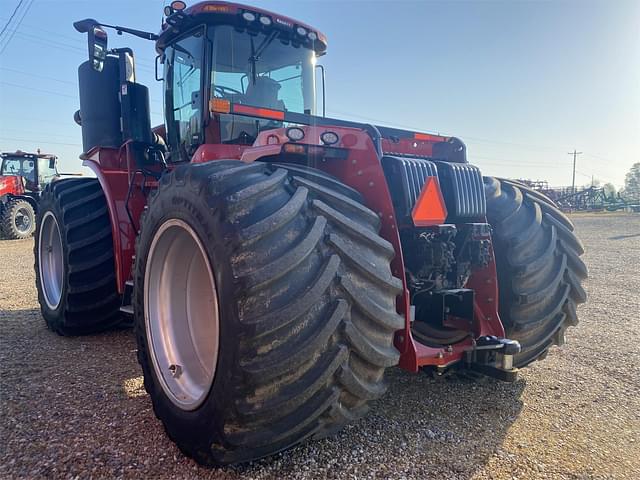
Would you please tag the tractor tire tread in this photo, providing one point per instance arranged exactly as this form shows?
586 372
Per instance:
540 272
306 346
89 300
8 228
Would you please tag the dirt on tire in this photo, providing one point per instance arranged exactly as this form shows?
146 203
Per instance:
306 301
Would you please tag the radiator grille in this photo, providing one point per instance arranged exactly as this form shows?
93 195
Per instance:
461 186
416 173
465 181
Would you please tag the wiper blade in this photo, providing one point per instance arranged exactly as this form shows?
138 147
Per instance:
265 43
255 54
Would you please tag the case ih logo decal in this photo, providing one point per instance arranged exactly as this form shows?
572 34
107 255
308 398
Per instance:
284 22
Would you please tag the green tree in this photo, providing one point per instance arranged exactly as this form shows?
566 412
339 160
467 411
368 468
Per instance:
609 189
632 183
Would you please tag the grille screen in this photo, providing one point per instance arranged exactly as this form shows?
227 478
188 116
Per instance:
461 186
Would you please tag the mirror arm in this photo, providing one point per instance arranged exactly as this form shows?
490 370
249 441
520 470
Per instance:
131 31
83 26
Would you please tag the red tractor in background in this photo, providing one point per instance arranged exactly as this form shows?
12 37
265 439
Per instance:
23 176
276 262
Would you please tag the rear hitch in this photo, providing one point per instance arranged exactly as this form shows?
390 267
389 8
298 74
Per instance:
493 356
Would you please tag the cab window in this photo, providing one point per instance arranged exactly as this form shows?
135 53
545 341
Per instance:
45 173
259 70
12 166
183 87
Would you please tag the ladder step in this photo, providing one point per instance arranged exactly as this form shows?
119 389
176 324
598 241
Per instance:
127 309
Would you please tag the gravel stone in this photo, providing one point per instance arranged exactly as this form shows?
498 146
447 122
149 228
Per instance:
76 407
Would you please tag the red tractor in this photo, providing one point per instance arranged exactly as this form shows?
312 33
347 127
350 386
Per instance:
23 176
276 262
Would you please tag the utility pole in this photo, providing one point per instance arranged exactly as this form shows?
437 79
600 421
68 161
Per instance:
573 181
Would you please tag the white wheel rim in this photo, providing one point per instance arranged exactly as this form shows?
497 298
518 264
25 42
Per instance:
23 220
181 314
50 260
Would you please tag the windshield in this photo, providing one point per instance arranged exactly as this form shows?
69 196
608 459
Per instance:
259 70
23 167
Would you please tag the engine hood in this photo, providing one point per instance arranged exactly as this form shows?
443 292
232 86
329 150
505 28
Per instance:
11 185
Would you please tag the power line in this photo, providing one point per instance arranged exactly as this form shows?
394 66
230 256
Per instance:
13 139
39 120
515 162
11 17
600 177
45 41
15 85
45 77
70 48
73 38
471 139
466 138
10 37
141 64
599 157
12 131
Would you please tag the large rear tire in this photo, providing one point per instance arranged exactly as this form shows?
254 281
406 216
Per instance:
299 328
74 264
540 272
17 219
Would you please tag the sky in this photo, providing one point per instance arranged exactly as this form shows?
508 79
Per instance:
522 83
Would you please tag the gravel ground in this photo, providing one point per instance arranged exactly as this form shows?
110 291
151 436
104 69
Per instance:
75 407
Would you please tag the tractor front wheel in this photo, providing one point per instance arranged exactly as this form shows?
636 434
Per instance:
75 270
264 307
17 220
540 272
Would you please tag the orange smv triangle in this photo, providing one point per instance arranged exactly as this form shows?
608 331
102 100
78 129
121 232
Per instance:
430 208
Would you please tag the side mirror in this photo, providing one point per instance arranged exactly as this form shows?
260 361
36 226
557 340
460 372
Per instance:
52 164
159 61
83 26
96 41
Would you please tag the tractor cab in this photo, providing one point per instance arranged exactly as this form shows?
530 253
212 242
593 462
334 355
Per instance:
218 55
33 171
23 176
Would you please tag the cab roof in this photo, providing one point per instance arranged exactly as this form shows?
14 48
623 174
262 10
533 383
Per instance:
232 14
21 154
